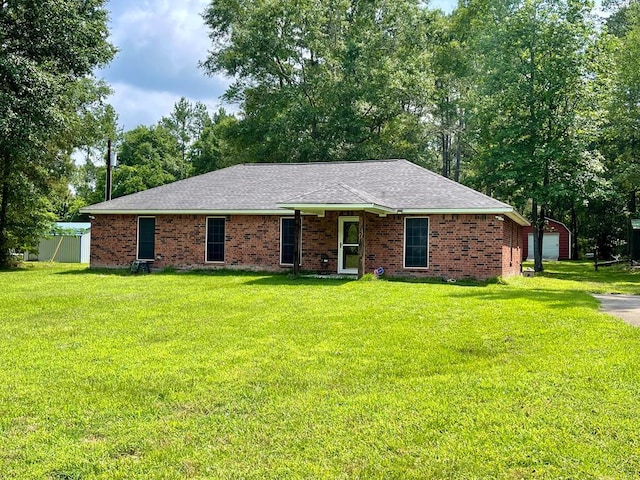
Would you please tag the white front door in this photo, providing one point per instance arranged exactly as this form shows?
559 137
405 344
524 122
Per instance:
348 245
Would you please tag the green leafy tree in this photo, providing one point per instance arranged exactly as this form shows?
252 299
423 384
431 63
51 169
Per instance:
147 157
216 146
88 183
325 80
48 50
186 123
532 85
618 15
606 210
623 127
189 141
87 179
453 67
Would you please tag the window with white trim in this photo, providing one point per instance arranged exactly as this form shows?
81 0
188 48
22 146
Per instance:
416 242
215 239
146 238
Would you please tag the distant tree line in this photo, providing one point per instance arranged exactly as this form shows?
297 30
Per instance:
189 141
535 102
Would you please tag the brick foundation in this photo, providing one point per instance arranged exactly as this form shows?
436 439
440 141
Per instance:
460 246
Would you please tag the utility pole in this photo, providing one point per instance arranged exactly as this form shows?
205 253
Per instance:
107 195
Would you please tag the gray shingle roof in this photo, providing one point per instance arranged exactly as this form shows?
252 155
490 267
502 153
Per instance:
265 188
337 194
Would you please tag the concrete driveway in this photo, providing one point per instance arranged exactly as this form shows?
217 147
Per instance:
626 307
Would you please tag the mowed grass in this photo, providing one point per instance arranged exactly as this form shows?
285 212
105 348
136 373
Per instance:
110 375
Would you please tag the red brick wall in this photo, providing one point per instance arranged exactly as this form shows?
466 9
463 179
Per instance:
460 246
320 237
251 241
113 240
512 248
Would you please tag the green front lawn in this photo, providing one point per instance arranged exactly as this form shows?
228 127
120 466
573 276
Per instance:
111 375
582 276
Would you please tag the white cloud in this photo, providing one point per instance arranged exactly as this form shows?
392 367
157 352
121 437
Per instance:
136 106
160 43
174 28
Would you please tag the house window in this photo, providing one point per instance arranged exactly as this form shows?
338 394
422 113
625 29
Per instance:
146 238
215 239
416 242
287 241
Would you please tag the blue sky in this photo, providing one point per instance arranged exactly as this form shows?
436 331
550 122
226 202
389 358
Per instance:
160 44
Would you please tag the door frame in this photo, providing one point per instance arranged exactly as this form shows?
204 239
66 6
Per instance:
547 238
341 222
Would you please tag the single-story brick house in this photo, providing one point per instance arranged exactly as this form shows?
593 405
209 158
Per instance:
333 217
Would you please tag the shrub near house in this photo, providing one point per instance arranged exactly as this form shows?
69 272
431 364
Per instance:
342 216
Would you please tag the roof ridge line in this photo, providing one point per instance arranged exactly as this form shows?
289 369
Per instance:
362 194
328 162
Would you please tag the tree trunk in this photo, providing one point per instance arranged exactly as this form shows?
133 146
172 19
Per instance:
4 208
538 236
574 233
456 175
446 167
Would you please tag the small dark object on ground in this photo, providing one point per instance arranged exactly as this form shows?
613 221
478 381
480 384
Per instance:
140 265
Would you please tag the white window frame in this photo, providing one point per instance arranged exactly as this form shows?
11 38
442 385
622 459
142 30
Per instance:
404 244
282 219
138 237
206 242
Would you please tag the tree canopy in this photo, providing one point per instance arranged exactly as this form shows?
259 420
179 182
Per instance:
533 66
48 50
320 80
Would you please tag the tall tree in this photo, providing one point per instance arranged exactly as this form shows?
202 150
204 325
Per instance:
87 179
216 146
147 157
186 123
533 71
623 127
325 80
618 16
452 65
48 49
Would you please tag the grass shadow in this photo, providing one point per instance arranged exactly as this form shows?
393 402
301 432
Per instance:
596 277
441 281
274 280
252 277
120 272
126 271
556 299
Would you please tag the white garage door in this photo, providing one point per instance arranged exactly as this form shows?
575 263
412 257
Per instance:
550 246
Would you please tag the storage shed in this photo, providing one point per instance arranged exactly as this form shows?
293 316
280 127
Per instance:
69 242
556 244
635 239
